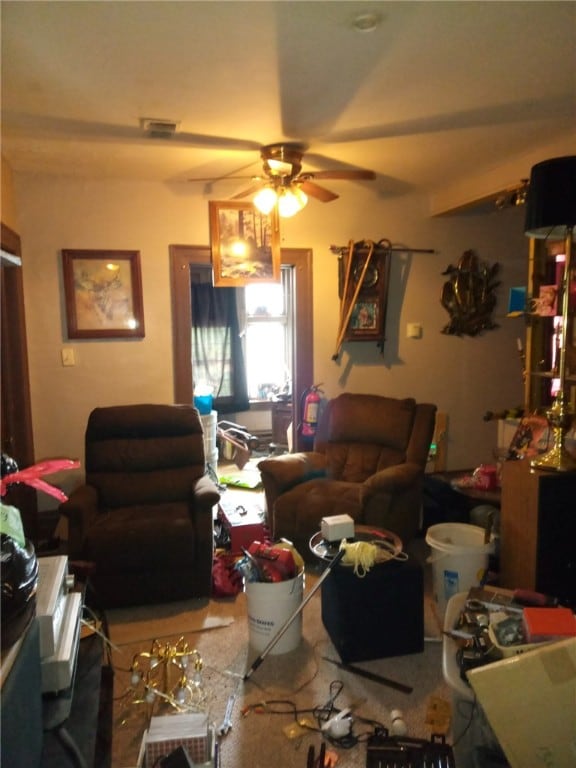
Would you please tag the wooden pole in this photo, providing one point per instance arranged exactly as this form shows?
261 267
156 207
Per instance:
350 309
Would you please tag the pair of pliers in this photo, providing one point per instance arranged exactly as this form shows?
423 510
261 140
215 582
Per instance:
311 761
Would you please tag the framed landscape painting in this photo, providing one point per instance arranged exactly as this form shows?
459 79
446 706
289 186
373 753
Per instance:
245 244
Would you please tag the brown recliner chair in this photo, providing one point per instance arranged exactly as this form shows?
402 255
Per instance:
369 457
144 518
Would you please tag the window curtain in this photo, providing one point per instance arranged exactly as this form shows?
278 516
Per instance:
217 355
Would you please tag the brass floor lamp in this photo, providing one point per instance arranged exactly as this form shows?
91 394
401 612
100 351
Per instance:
551 214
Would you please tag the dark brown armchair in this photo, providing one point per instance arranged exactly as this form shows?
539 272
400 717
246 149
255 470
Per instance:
144 518
369 458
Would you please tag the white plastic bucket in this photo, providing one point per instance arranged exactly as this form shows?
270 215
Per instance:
270 605
459 559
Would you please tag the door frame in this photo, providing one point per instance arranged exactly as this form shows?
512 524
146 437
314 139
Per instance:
182 259
16 409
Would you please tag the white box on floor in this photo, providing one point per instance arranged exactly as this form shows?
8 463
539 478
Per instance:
530 702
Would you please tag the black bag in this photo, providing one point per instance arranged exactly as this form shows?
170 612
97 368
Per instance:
19 586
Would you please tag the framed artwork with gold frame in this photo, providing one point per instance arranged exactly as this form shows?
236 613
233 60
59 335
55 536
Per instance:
245 244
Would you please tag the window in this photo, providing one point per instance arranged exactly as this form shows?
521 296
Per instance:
217 350
268 343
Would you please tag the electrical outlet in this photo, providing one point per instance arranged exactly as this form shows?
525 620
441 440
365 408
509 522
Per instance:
68 358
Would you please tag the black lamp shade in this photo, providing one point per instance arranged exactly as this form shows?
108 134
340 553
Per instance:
551 202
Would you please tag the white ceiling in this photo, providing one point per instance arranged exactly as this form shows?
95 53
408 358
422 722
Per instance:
438 93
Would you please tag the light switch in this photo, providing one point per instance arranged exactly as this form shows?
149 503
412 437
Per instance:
414 330
68 356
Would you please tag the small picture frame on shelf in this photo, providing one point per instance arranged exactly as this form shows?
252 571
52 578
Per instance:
531 438
546 305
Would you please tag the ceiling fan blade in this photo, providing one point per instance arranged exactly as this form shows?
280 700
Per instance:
314 190
350 174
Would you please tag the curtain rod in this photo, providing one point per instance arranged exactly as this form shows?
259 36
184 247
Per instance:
341 250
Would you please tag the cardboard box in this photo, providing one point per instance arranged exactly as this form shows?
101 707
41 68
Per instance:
529 701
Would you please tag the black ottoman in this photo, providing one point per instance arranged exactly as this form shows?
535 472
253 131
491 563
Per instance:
379 615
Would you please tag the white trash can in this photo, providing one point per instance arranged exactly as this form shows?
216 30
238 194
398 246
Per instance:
459 559
270 605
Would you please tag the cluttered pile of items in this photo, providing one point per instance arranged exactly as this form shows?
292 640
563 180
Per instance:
513 660
270 563
498 623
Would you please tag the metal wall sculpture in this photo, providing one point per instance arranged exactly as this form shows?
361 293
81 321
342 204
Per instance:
469 296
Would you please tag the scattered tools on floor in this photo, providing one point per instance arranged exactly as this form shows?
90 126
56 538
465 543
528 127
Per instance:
226 724
325 759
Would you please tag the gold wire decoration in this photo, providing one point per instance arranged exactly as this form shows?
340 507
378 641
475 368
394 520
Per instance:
168 674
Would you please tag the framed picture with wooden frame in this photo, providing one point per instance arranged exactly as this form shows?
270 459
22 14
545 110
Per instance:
364 295
103 294
245 244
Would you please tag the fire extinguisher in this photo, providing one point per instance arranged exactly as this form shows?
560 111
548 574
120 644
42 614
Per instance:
310 408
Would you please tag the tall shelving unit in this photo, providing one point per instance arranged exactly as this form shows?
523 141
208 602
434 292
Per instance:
545 268
537 522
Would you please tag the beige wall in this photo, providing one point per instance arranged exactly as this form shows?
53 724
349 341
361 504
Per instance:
463 376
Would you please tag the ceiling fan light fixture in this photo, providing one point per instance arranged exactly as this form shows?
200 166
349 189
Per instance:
282 160
290 201
265 200
278 167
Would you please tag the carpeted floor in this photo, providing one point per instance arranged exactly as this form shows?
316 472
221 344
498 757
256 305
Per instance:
300 680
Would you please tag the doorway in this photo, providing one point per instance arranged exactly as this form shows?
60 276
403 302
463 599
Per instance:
16 415
183 260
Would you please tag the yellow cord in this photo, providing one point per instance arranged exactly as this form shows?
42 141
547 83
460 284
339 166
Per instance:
363 555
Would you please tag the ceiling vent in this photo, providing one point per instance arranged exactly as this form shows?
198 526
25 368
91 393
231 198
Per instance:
158 129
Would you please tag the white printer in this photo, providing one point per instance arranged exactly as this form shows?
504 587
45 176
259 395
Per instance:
59 613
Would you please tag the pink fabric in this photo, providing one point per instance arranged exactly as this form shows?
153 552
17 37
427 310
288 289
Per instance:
31 476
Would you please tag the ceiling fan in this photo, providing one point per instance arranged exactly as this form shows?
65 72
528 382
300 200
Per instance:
284 184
